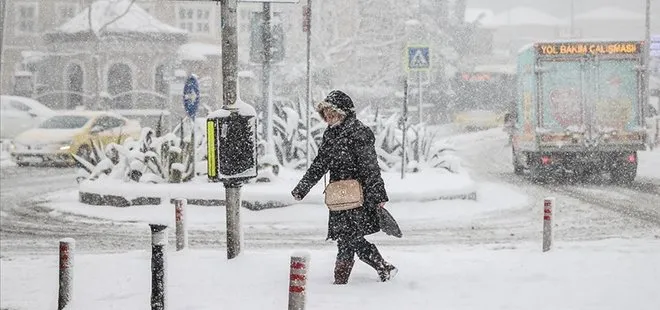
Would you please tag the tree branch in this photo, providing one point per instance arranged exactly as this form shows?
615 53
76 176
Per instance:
102 28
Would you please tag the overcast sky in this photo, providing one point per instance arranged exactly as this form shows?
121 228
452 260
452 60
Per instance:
561 8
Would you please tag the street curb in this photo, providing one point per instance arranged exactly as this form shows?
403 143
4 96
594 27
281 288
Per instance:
95 199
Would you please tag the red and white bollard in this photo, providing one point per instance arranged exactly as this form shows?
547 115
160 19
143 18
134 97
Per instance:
180 222
298 281
548 205
67 247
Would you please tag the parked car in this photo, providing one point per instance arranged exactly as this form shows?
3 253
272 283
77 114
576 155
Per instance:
70 132
18 114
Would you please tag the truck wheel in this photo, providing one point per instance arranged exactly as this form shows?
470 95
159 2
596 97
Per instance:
538 172
623 174
517 168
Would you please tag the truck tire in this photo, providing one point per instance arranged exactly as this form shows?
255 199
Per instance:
518 169
536 172
623 174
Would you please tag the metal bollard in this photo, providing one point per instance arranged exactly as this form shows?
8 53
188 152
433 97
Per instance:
181 223
67 247
298 281
548 204
158 279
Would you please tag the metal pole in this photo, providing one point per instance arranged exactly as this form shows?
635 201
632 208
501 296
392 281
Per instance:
158 274
67 248
229 89
572 25
647 56
233 202
267 86
419 80
193 146
548 204
229 52
298 281
308 92
2 37
421 118
405 127
180 222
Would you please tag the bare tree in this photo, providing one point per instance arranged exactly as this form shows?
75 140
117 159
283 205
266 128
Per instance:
331 46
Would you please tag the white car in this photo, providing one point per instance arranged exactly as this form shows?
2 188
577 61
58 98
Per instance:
18 114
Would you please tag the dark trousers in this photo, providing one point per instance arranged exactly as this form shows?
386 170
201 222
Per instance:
365 250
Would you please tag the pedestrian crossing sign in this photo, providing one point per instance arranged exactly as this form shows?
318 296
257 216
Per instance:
418 58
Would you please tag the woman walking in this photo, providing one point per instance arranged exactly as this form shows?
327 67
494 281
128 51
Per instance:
347 151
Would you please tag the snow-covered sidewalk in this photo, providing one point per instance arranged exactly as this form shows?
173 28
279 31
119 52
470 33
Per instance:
492 198
649 164
604 275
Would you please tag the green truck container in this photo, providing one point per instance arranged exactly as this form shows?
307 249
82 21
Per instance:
579 109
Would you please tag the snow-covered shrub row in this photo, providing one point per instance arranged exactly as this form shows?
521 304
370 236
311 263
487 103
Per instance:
149 159
157 159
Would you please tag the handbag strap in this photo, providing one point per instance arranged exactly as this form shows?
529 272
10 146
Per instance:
325 182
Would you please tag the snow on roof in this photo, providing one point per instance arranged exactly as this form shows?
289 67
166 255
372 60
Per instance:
30 56
520 16
197 51
610 13
475 14
104 11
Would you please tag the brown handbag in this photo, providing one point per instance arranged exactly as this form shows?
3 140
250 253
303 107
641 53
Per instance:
343 195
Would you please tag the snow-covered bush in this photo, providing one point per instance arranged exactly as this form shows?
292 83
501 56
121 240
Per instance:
154 158
149 159
423 149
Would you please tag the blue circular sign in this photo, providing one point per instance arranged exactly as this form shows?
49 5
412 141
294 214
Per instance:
191 96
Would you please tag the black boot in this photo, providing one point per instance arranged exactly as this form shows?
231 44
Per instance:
372 257
343 271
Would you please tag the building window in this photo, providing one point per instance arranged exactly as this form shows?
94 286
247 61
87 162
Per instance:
26 15
120 85
64 12
160 84
196 19
74 86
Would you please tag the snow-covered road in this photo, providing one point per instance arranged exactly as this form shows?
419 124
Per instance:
592 209
586 211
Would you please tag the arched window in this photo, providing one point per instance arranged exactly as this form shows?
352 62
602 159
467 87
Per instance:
120 81
160 85
74 85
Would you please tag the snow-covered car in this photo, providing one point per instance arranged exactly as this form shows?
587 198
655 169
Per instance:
70 132
18 114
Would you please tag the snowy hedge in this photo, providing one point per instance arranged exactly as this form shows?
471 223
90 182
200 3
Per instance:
156 158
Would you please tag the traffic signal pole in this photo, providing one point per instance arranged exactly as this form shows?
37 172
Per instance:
267 83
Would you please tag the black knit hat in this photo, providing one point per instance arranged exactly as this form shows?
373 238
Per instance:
339 101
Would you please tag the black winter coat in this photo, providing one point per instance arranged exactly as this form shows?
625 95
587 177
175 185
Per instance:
347 151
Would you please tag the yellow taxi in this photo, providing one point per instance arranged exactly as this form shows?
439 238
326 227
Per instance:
478 120
70 132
